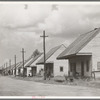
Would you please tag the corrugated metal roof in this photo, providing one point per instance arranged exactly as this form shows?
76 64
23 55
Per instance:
28 62
17 65
21 64
33 59
29 59
13 66
49 54
79 43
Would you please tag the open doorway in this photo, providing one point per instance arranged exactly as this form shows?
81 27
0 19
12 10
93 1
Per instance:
34 70
49 68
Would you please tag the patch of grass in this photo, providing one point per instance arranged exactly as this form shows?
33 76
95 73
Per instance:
60 80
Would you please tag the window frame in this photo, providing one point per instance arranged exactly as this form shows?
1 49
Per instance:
61 68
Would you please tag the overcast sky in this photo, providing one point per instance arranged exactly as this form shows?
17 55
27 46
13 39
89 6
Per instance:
21 25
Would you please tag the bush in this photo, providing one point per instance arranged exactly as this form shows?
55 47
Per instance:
59 79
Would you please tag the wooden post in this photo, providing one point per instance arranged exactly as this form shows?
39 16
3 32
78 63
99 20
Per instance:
2 69
94 75
23 59
44 36
15 65
6 67
10 66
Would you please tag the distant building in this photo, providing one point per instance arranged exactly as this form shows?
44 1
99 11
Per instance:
54 66
12 70
19 68
1 70
84 54
27 63
32 68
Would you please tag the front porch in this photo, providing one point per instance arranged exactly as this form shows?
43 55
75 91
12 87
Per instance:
80 66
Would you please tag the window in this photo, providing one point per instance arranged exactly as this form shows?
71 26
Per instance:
61 69
98 66
87 66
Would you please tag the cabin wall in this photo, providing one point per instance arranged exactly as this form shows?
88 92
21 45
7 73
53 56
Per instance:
29 71
13 72
94 47
59 63
21 70
17 72
39 67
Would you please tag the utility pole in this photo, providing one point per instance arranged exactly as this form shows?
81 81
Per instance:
23 59
15 64
10 66
2 69
44 36
6 67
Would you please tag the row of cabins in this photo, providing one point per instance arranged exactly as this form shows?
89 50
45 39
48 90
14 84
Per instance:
34 65
81 57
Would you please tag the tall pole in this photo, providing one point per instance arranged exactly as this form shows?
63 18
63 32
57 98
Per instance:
10 66
44 36
15 64
23 59
6 67
2 69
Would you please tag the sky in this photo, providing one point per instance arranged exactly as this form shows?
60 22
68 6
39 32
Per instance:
22 24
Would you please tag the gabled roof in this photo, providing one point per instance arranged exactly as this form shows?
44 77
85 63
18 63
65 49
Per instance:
17 65
13 66
49 54
21 64
78 44
33 59
36 52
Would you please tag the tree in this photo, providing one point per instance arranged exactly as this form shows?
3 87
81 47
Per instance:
35 53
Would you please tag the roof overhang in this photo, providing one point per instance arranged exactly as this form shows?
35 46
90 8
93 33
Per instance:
65 57
84 53
30 66
77 54
95 71
41 63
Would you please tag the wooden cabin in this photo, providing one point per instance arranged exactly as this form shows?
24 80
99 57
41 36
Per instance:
84 54
32 68
53 66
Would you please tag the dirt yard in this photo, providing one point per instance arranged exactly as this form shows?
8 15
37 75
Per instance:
61 81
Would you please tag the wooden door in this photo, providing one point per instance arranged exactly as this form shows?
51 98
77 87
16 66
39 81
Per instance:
49 68
18 71
73 69
25 71
34 70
